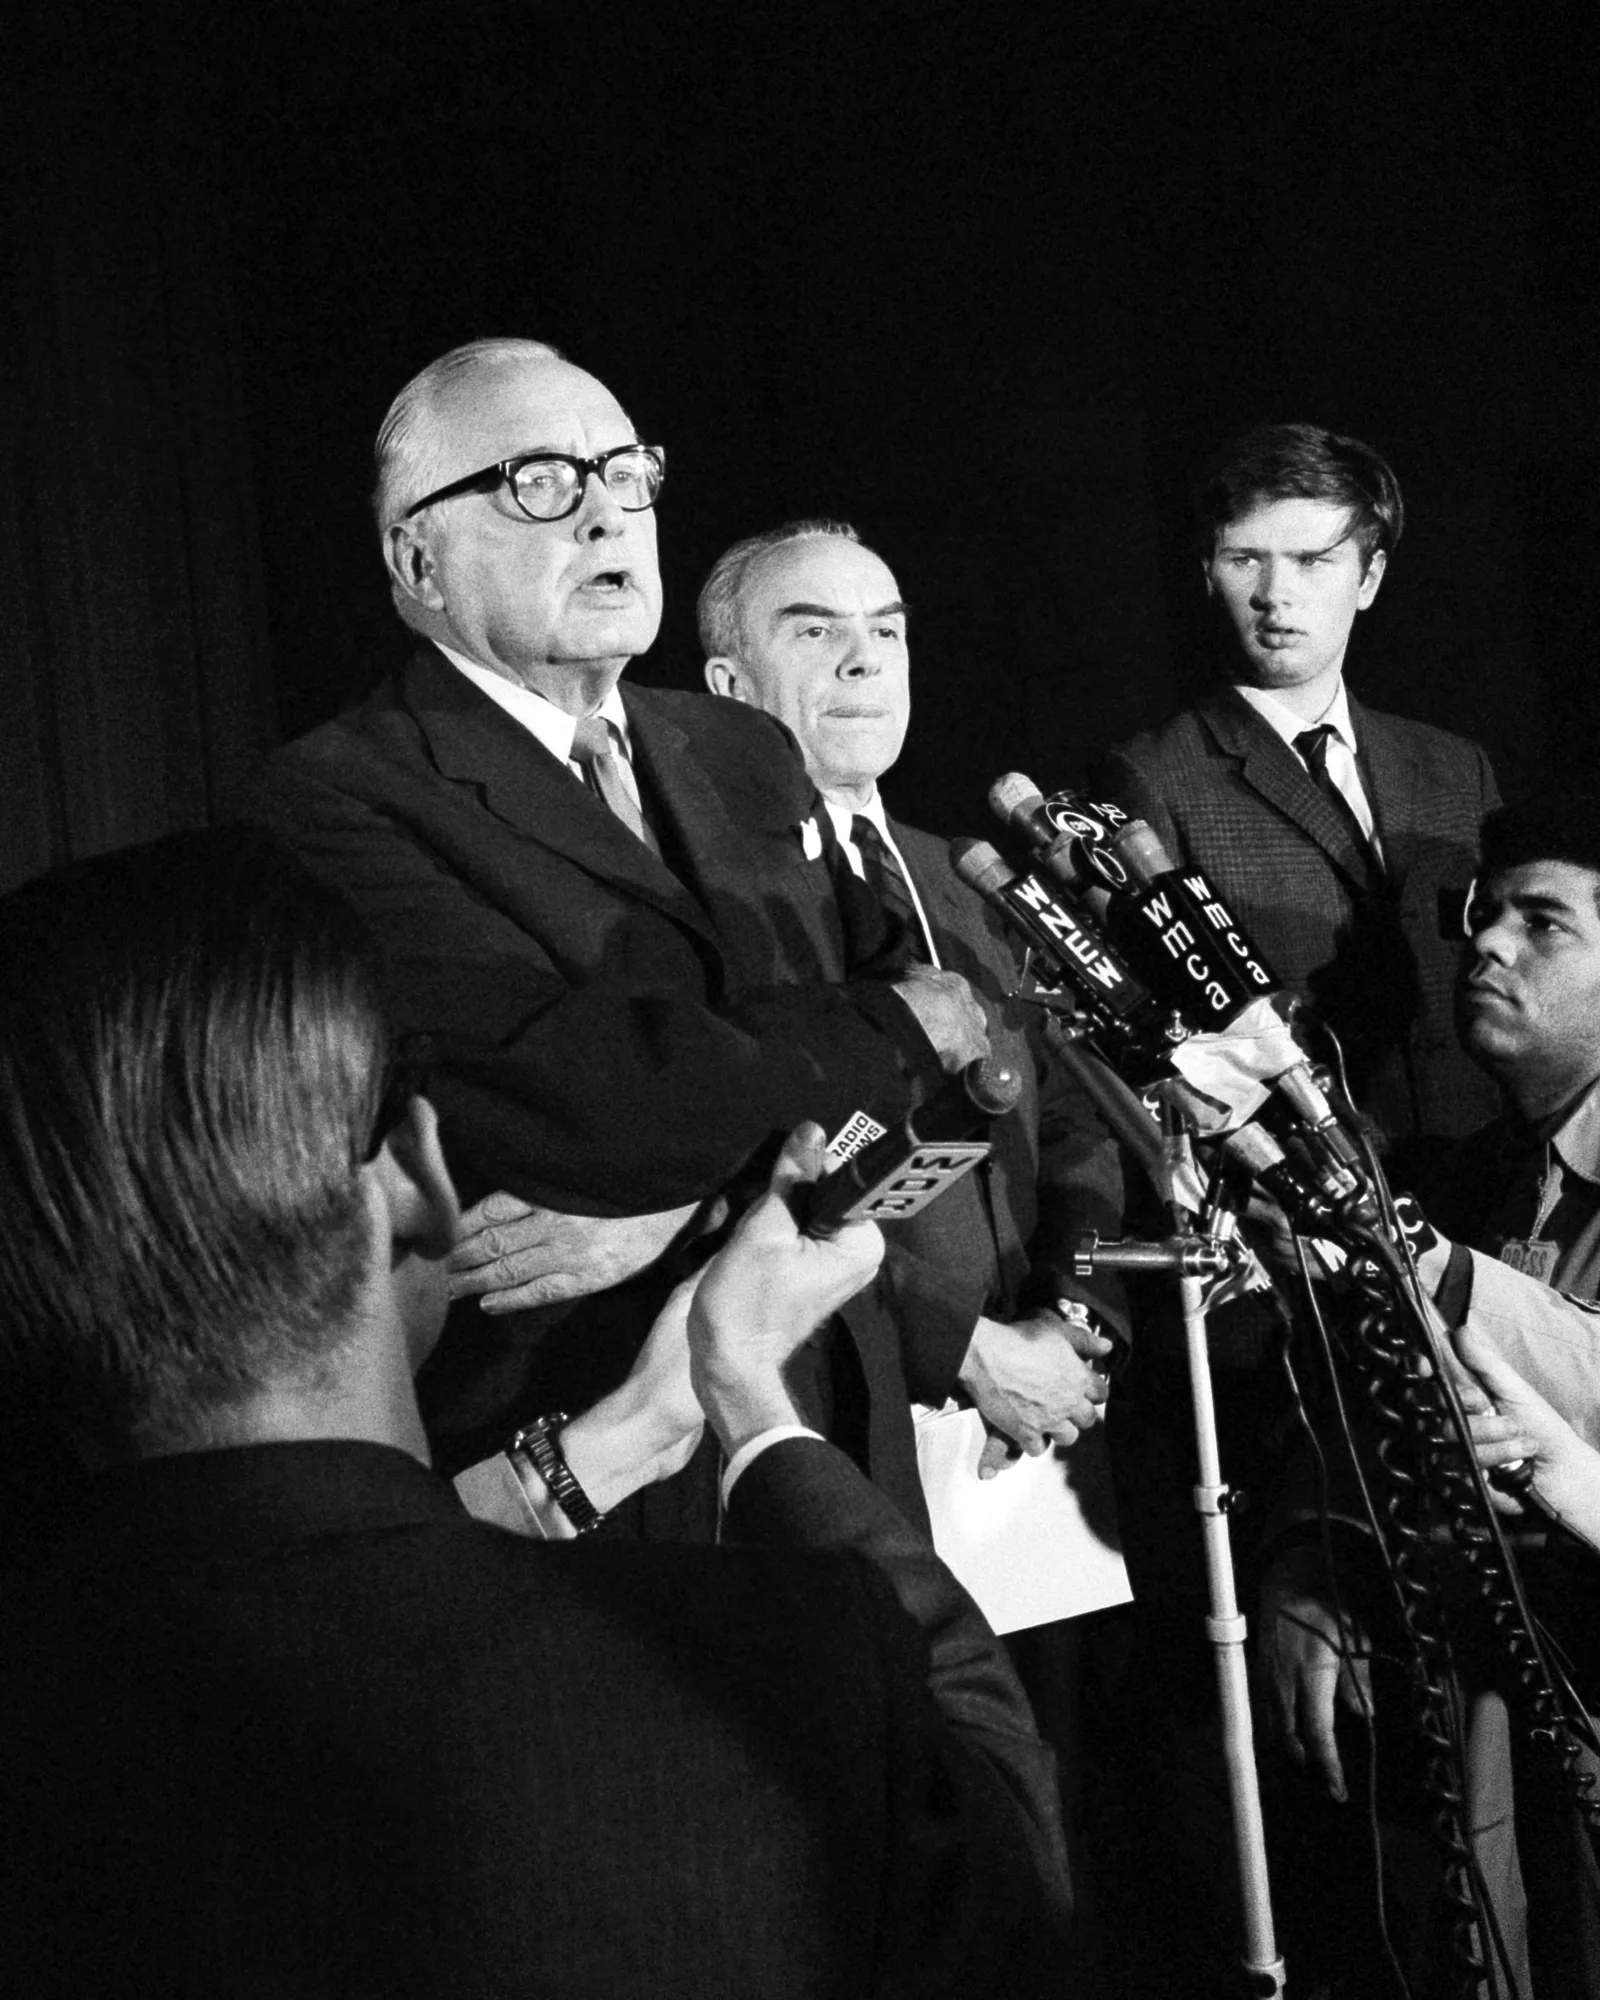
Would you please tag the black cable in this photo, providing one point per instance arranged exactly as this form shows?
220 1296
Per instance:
1374 1830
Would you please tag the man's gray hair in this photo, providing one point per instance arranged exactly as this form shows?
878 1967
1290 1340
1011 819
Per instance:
408 447
721 607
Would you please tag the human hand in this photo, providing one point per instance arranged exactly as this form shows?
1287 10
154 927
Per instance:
1511 1422
646 1428
764 1294
1308 1660
949 1013
1035 1381
513 1254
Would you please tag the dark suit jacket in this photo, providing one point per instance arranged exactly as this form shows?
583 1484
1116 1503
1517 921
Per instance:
284 1721
610 1035
607 1034
999 1243
1228 795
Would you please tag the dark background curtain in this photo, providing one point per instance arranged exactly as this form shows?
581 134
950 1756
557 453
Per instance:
987 285
135 689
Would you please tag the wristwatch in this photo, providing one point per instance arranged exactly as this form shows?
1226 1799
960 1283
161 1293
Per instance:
539 1443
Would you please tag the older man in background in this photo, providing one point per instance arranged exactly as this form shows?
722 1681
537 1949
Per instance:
808 625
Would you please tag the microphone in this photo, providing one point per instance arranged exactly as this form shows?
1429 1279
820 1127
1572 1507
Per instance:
1188 944
902 1170
1071 836
1178 931
1071 946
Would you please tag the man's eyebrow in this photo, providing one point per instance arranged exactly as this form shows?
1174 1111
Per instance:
560 451
1225 547
1539 902
898 609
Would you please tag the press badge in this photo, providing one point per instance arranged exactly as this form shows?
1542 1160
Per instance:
1533 1256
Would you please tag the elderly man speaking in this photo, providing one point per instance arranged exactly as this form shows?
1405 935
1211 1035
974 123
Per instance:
609 914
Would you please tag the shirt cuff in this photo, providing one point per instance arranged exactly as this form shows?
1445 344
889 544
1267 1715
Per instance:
751 1450
509 1492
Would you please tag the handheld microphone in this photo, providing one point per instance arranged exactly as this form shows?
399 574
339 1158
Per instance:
911 1164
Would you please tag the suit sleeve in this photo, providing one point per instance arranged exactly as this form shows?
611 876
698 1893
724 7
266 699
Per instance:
805 1494
1080 1190
1488 788
607 1089
1123 781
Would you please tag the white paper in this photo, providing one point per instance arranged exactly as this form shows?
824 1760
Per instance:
1036 1543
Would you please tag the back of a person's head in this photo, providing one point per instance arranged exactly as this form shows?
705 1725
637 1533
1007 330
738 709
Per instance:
1301 462
192 1061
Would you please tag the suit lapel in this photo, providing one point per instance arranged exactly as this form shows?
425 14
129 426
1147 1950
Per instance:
700 829
738 844
1273 771
474 742
934 887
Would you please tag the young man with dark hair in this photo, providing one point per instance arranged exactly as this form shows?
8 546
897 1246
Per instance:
1303 462
277 1715
1335 832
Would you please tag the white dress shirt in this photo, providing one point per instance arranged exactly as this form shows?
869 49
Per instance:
551 725
1342 766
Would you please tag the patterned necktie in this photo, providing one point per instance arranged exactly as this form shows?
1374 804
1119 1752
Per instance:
594 748
1312 745
886 878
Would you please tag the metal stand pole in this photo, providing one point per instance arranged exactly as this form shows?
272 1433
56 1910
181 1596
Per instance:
1191 1259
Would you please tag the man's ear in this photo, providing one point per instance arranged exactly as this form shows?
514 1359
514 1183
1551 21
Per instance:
1205 571
415 1185
1377 562
726 676
410 566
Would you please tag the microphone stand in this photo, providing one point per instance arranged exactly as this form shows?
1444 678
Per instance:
1193 1260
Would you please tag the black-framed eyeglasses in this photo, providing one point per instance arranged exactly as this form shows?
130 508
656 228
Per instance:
548 485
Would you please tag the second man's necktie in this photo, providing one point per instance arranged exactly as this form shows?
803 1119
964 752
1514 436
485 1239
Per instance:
886 878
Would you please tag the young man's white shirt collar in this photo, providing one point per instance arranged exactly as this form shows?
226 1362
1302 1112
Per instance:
538 715
873 810
1342 766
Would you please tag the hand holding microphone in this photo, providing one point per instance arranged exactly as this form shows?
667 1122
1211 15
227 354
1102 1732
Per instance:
949 1013
906 1167
763 1295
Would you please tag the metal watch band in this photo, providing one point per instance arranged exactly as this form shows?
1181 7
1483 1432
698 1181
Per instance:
539 1443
